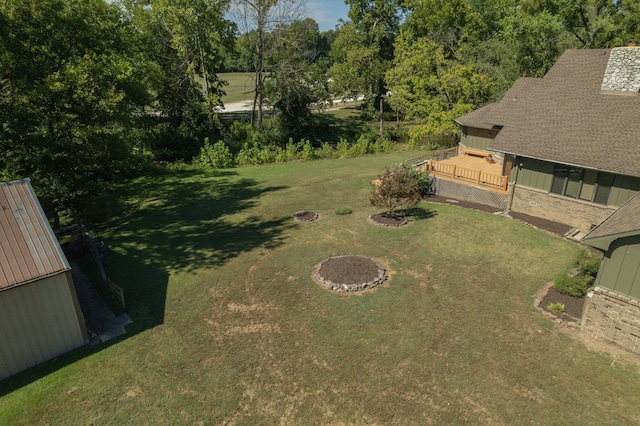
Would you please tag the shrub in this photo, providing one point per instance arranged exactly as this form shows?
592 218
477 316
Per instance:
396 187
556 308
422 178
342 149
343 210
588 264
326 151
216 156
573 286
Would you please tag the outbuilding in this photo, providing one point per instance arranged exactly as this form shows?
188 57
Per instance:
40 317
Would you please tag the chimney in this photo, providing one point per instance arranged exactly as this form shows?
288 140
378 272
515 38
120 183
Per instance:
623 70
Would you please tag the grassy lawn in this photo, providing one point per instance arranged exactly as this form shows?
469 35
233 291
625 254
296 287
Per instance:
229 326
240 87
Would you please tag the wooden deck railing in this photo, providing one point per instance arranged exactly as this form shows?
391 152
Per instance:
439 155
474 177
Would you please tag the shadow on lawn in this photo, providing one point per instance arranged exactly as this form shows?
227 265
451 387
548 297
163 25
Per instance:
183 223
417 213
171 223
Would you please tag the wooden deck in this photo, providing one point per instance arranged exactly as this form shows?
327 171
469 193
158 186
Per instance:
471 170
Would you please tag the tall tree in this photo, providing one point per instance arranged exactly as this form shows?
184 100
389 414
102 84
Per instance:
70 90
297 82
184 43
431 89
259 18
363 49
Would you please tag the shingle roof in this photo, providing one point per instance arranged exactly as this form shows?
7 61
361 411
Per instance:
28 247
566 118
622 223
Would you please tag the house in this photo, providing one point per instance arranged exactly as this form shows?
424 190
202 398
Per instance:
612 309
569 142
40 317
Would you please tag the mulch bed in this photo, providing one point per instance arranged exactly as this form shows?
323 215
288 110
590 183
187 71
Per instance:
572 305
305 216
349 273
547 225
384 219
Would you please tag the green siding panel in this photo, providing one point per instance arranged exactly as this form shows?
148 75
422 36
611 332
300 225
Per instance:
624 187
620 268
478 138
535 174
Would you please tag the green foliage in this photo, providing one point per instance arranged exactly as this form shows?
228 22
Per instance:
422 180
556 308
216 156
343 210
589 264
71 90
431 89
575 286
295 85
397 187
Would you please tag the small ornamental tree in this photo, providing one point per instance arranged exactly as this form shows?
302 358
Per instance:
397 187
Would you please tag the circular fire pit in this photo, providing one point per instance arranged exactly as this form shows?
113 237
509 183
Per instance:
305 216
349 273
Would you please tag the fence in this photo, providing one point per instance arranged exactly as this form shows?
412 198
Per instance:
99 253
439 155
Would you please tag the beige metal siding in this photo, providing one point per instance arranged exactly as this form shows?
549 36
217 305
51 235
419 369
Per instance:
38 321
28 248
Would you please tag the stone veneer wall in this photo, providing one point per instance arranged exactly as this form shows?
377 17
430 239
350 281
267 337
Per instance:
576 213
623 70
611 316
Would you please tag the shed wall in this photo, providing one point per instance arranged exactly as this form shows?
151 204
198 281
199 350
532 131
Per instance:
38 321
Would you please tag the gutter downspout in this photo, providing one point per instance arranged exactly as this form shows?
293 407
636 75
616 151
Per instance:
515 181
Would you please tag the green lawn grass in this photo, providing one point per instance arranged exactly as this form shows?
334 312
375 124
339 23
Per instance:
240 86
229 326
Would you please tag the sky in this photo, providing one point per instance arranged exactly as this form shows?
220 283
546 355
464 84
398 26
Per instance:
327 12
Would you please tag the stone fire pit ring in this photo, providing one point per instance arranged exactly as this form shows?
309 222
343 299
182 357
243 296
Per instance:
350 273
305 216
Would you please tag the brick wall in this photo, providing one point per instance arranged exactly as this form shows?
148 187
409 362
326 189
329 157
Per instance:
610 316
576 213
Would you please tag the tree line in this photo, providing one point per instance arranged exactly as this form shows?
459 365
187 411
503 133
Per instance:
94 91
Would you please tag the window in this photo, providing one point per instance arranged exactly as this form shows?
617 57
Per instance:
588 185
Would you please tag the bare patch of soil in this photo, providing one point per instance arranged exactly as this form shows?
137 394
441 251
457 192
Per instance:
386 219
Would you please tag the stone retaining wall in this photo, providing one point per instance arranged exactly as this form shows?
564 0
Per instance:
610 316
576 213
